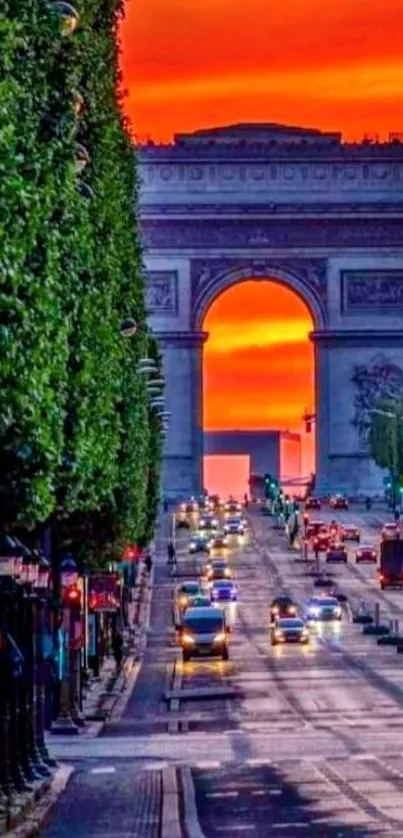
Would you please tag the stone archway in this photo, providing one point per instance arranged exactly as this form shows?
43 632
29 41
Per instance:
300 206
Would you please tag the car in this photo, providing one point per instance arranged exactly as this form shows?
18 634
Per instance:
200 543
337 552
204 632
390 531
223 590
232 508
218 570
313 528
320 541
312 503
351 533
208 523
218 542
282 606
289 630
322 608
185 592
189 508
199 601
181 522
366 553
234 526
338 502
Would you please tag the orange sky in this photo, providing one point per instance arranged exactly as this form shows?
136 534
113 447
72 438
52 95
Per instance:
336 65
258 362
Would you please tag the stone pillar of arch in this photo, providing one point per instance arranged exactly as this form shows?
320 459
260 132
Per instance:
183 453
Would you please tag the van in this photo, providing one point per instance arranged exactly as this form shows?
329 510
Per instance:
204 632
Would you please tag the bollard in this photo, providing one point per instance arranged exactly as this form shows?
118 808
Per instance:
396 627
391 626
377 613
306 550
317 564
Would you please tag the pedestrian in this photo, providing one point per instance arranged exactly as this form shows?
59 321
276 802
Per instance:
171 553
117 647
148 562
165 505
368 504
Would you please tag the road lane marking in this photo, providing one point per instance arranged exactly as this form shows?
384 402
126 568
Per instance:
222 794
103 769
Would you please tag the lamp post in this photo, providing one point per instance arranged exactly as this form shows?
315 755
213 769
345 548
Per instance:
10 568
68 579
44 649
69 18
32 762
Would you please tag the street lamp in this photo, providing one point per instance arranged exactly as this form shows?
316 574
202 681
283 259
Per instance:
82 158
85 190
69 17
78 103
68 571
146 366
128 327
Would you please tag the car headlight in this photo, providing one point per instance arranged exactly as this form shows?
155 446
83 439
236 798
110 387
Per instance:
220 637
314 612
278 634
183 600
305 633
275 610
192 545
337 612
227 571
187 638
292 610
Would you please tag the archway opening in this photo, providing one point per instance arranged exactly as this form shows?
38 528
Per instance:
258 376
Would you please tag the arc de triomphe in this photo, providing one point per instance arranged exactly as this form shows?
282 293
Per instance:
301 207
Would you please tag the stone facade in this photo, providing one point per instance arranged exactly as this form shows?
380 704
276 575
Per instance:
303 209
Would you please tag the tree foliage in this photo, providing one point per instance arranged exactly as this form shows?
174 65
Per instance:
386 435
76 431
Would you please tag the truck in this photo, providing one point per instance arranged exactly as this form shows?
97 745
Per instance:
391 563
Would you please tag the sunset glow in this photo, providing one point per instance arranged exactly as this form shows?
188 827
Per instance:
336 66
258 361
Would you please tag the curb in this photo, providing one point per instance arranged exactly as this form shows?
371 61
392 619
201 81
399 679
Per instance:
32 823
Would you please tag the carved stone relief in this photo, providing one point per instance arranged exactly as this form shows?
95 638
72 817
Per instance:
369 233
162 292
379 379
372 290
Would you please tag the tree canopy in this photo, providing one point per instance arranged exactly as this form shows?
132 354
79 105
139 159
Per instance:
77 434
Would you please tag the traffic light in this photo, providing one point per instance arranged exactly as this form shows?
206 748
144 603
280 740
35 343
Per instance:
72 597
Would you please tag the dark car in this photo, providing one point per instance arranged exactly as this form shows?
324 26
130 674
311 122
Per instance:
312 503
351 533
199 544
182 523
223 590
204 632
185 592
313 528
366 553
289 630
337 552
282 606
218 570
208 523
338 502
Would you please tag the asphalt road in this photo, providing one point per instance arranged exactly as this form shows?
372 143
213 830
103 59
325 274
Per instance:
310 745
